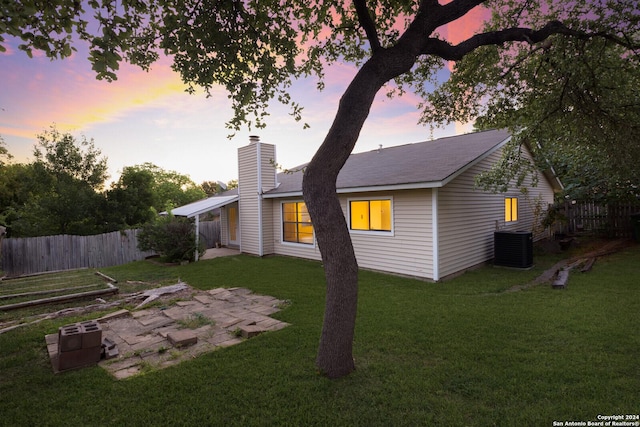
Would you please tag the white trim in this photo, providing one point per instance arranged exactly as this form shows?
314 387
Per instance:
390 233
259 170
504 219
473 163
435 256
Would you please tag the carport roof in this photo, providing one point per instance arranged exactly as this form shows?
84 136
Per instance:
202 206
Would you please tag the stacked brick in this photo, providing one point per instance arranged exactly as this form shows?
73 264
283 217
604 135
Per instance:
79 344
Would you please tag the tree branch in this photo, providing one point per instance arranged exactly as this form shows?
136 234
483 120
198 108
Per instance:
455 53
366 21
457 9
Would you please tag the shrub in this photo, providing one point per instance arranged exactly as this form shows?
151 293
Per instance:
172 237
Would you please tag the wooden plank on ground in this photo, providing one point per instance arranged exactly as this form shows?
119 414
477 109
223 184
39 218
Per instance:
46 292
61 298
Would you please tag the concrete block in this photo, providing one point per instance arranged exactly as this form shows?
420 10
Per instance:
182 338
69 338
109 349
78 358
91 334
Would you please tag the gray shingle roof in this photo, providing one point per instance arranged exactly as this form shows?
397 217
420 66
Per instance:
430 162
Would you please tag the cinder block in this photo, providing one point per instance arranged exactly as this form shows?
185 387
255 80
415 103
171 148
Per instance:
182 338
78 358
109 349
69 338
91 334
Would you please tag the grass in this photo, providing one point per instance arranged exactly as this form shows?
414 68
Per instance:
459 353
195 321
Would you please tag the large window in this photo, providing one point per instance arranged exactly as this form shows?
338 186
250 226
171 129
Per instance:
510 209
296 223
370 215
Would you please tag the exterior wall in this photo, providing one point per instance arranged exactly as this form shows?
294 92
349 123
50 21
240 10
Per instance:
468 217
407 250
256 174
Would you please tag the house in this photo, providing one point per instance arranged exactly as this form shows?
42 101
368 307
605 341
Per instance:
412 209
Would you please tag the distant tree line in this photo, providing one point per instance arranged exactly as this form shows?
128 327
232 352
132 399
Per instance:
62 191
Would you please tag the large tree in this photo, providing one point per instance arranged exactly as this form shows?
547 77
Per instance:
170 189
130 202
59 192
255 49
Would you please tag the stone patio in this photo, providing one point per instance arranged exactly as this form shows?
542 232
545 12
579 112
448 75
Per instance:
196 323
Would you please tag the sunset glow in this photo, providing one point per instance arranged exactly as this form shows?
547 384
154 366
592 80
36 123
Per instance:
148 117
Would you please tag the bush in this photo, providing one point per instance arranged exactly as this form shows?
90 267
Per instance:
172 237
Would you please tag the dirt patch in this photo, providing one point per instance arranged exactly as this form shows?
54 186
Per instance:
582 254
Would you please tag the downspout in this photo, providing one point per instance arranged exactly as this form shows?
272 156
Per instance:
197 255
434 234
259 154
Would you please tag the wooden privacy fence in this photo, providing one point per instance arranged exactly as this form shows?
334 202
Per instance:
210 233
610 219
65 252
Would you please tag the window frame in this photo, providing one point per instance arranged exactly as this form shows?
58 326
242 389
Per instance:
517 210
387 233
282 226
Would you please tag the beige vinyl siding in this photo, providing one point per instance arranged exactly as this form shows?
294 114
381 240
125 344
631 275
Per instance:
406 251
468 217
248 199
250 172
269 173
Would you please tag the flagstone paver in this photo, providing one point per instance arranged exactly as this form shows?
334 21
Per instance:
144 337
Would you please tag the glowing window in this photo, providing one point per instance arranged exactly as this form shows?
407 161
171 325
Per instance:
511 209
296 223
370 215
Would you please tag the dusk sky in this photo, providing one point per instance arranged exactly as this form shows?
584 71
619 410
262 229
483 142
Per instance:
148 117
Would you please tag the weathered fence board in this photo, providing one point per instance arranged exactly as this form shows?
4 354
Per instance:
65 252
210 233
611 220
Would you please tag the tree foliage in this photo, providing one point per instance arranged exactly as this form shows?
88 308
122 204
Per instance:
130 202
57 193
574 100
4 152
256 49
62 155
170 188
60 192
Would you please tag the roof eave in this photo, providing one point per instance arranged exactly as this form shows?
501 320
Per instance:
366 189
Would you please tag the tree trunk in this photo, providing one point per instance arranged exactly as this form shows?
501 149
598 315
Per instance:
335 357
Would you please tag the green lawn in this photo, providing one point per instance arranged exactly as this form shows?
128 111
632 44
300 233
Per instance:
459 353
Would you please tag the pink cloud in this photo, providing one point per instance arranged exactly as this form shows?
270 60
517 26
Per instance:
465 27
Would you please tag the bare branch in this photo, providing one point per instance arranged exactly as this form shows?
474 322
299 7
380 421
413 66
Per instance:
367 23
545 46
